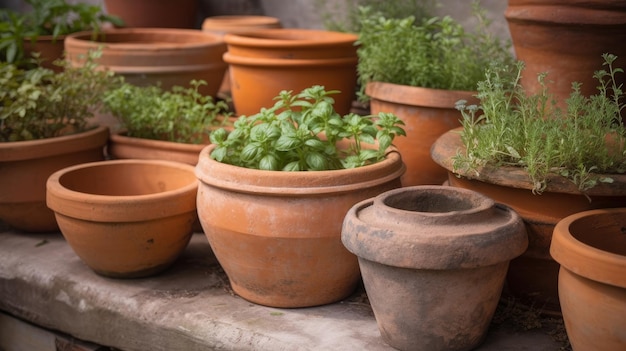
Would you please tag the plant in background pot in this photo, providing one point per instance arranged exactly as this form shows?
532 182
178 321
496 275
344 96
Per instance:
274 191
418 70
44 28
545 162
43 128
163 124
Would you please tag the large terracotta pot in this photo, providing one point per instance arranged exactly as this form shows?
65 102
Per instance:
125 218
25 167
278 234
154 13
426 113
591 248
566 39
148 56
532 277
433 260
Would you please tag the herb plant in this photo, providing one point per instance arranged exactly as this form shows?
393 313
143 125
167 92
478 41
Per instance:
513 128
435 53
303 132
181 114
39 103
48 17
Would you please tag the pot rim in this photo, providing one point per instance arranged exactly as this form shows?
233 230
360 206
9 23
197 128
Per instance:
277 62
418 96
290 37
196 39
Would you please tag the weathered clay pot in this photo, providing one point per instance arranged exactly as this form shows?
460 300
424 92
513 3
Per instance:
154 13
122 146
148 56
433 261
532 277
25 167
426 113
278 234
591 248
125 218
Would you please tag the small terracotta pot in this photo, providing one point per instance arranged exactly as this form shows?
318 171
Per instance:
591 249
433 261
154 13
427 114
147 56
278 234
25 167
125 218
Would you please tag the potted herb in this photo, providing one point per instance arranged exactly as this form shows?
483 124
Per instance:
546 162
273 194
44 28
418 70
163 124
44 126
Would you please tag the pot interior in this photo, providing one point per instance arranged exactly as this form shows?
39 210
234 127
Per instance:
433 201
126 179
605 231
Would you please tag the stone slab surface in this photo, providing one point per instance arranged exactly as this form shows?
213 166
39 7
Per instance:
188 307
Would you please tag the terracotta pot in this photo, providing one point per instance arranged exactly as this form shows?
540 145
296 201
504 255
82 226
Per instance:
25 167
125 218
591 248
433 261
49 48
148 56
154 13
278 234
566 39
532 277
125 147
427 113
256 81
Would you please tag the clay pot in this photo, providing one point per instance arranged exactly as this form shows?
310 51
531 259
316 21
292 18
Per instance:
154 13
125 218
278 234
591 248
265 62
49 48
427 113
125 147
433 261
566 39
25 167
532 277
149 56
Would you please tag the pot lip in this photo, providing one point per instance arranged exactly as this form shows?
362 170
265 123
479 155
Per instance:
235 21
449 143
290 38
120 137
196 39
281 183
231 59
418 96
583 259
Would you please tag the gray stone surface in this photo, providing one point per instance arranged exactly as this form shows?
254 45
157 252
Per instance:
188 307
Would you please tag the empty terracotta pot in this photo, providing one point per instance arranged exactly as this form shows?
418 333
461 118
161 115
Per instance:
125 218
590 246
433 261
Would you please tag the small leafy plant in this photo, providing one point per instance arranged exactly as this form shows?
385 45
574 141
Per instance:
435 53
39 103
512 128
48 17
181 114
303 132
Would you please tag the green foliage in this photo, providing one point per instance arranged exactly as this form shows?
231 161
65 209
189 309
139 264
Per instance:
182 114
435 53
303 132
38 103
513 128
48 17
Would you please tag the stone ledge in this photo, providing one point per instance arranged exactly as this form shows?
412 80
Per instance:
188 307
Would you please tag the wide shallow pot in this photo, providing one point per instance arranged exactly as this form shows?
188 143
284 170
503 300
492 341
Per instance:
426 113
591 248
278 234
25 167
433 260
154 13
125 218
149 56
566 39
532 277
